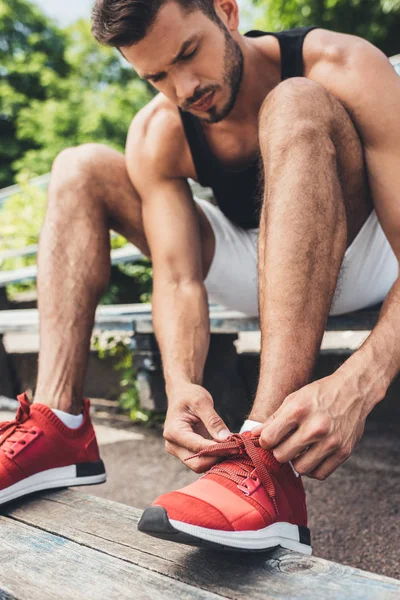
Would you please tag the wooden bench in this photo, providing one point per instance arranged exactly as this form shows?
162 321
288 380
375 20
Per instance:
222 361
67 545
228 376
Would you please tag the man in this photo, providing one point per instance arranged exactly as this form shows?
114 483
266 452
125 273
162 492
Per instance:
298 135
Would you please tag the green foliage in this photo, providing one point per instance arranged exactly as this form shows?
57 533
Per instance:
32 60
98 101
119 348
142 272
21 219
58 88
375 20
101 116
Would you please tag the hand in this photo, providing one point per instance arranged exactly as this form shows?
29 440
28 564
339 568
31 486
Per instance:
317 427
191 420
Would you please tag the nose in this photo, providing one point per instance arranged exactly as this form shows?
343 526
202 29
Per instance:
185 86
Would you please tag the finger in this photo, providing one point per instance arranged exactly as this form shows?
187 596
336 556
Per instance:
328 466
258 428
311 459
293 445
213 422
193 442
280 424
198 464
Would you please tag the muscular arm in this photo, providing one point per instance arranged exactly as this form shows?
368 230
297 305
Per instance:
180 304
180 308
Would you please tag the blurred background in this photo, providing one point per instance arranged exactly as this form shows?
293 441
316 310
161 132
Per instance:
59 88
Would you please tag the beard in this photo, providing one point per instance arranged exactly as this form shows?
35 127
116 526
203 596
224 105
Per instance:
233 75
232 79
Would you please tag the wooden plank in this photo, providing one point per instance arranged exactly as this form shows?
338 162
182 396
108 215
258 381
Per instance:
224 320
139 316
37 565
110 528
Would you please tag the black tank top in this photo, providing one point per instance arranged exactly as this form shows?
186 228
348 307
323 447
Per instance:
236 191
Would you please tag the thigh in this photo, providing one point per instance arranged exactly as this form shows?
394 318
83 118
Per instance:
300 110
231 279
98 177
352 171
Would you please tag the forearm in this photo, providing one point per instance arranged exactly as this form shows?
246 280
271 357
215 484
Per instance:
182 329
377 362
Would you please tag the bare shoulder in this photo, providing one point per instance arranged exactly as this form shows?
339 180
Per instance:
156 139
329 53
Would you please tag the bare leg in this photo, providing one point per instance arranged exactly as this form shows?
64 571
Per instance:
90 193
74 263
315 202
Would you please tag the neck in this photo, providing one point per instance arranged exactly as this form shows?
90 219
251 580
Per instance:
261 74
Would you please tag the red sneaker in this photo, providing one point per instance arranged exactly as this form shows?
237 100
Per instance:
247 502
39 452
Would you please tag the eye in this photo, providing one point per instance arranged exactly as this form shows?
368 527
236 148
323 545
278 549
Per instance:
189 56
157 79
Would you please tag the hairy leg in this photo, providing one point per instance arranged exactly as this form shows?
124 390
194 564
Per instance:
315 201
89 193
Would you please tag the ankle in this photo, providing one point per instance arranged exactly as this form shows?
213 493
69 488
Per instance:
67 406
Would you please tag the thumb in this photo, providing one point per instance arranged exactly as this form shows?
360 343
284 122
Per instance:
214 424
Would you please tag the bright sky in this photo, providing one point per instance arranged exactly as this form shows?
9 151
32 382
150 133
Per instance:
67 11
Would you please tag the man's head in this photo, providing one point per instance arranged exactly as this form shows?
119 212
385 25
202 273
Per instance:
185 48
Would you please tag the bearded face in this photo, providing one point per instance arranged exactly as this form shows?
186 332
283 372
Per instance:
193 60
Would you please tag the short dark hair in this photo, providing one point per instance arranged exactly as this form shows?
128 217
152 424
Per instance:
119 23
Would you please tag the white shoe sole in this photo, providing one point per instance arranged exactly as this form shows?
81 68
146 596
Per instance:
80 474
285 535
155 522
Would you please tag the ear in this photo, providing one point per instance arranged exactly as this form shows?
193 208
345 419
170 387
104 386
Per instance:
228 12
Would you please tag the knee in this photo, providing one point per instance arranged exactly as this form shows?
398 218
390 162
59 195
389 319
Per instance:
80 169
82 163
297 111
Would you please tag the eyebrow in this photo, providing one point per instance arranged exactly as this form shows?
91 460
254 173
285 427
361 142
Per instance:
177 58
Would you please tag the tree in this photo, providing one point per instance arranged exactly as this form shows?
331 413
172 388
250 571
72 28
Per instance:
375 20
58 88
32 59
97 102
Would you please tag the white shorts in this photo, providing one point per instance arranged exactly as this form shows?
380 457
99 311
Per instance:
368 270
